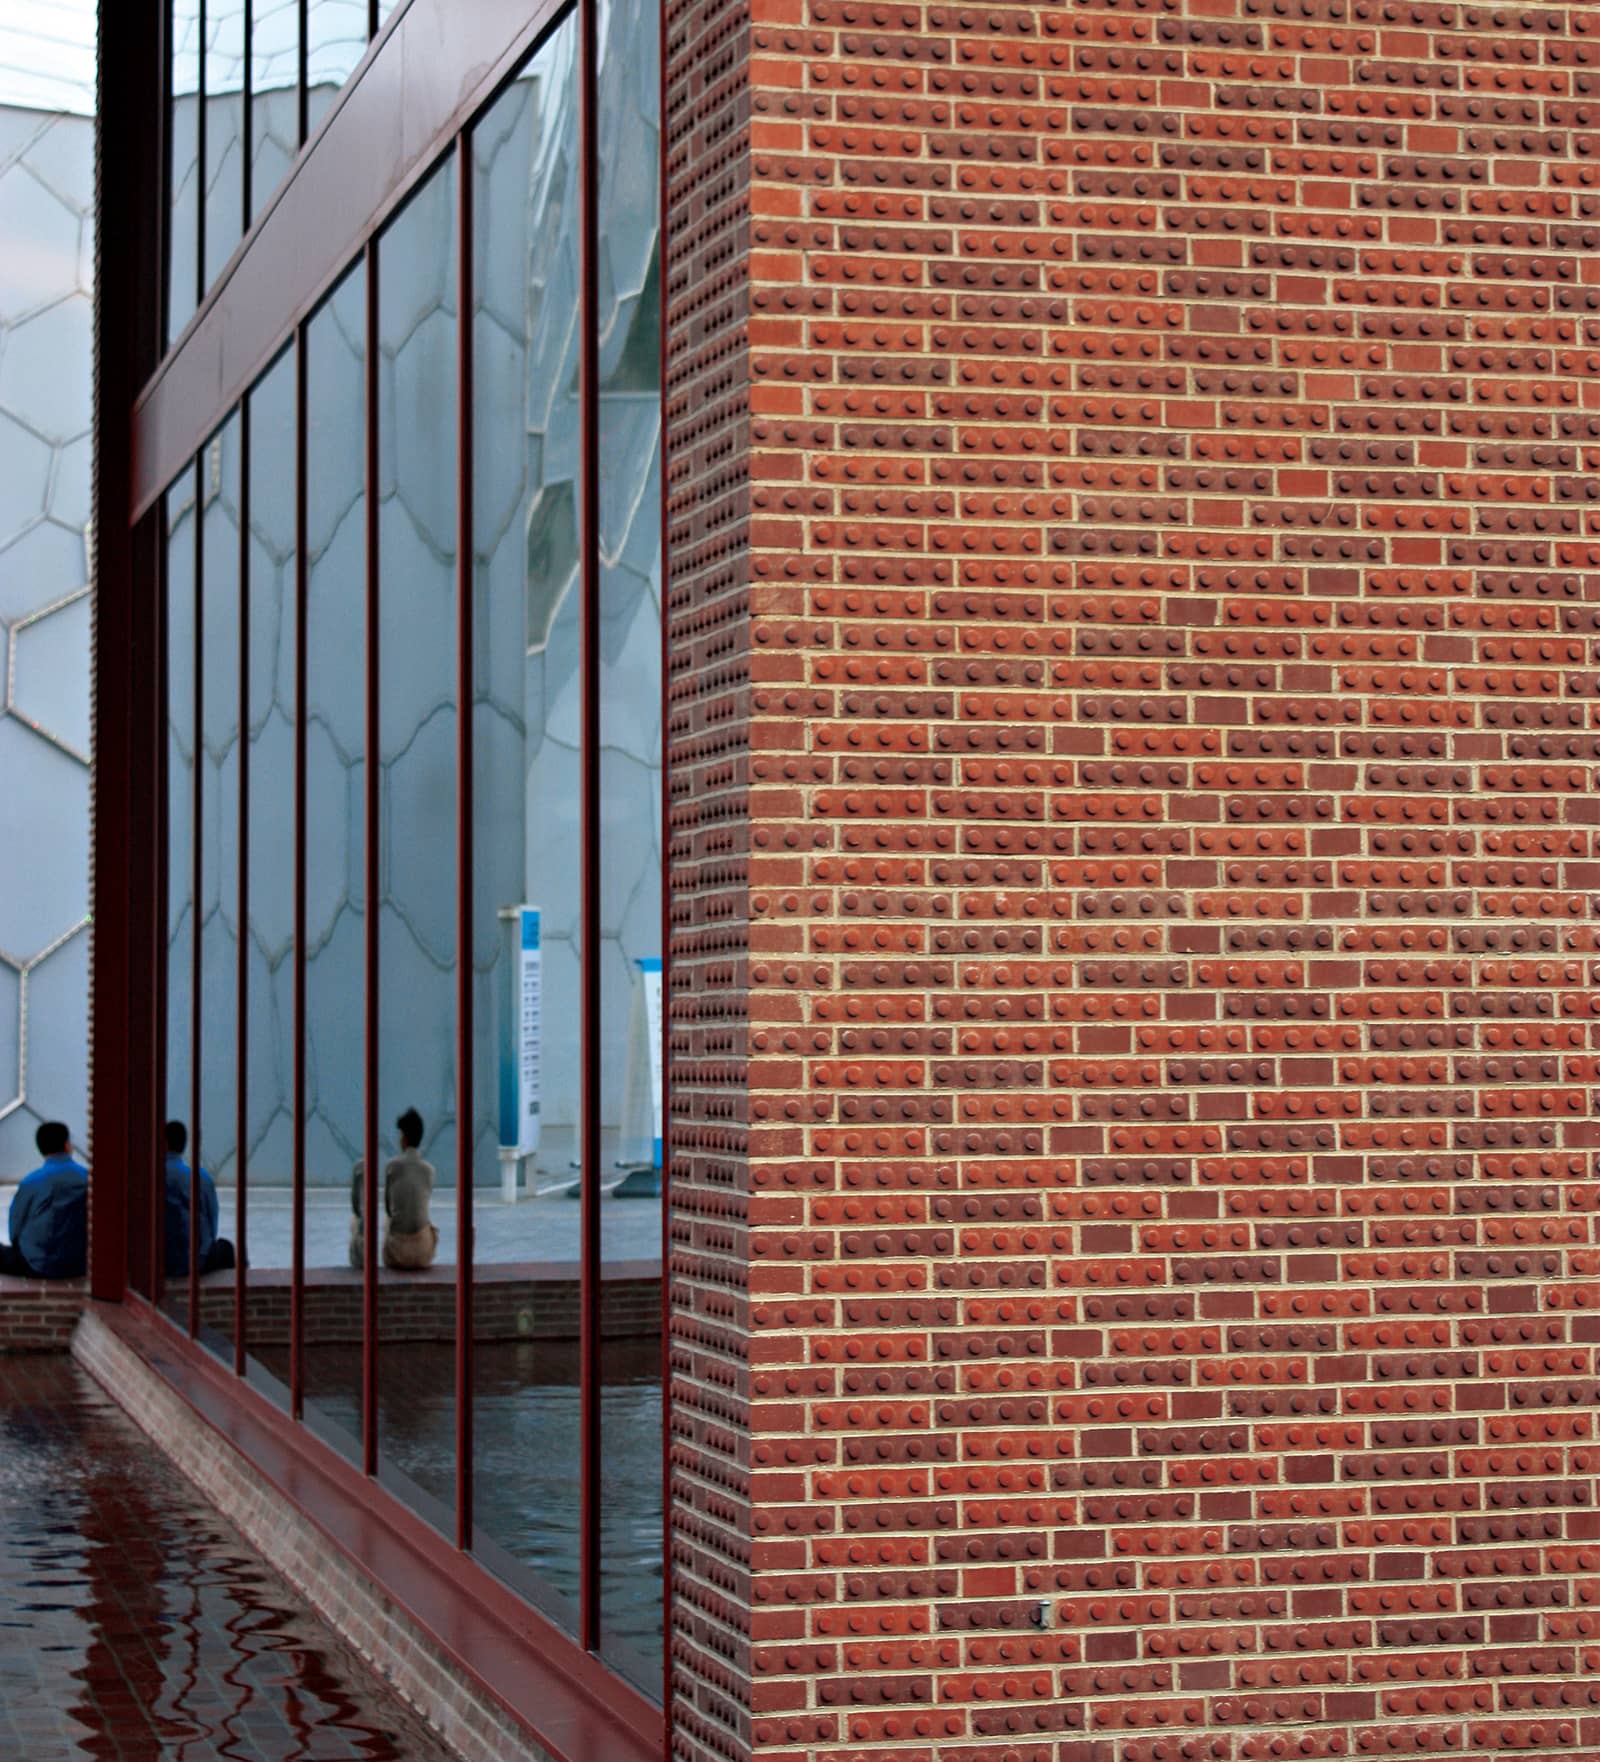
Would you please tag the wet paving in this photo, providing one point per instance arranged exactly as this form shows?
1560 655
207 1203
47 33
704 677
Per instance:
137 1625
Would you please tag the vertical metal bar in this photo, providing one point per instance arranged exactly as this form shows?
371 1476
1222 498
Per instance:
164 201
369 1130
156 1189
589 1013
198 834
666 899
303 74
241 1113
200 171
126 691
247 171
464 805
297 1210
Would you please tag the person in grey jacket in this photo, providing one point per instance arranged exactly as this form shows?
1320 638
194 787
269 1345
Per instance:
410 1238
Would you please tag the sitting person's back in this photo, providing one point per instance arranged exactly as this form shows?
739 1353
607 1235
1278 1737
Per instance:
49 1221
215 1253
410 1239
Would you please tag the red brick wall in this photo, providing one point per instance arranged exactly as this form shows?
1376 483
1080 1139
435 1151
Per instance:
1135 1135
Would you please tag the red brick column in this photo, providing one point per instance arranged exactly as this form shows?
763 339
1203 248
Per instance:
1135 595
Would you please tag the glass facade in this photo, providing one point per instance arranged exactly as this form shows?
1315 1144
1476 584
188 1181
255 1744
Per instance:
414 780
246 85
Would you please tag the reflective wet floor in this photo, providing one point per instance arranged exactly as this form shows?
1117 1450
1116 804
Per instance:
136 1625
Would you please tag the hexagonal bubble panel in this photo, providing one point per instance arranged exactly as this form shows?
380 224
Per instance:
419 812
44 369
62 158
24 478
43 566
58 1035
18 1152
46 813
552 558
41 234
421 397
70 486
418 1045
330 800
50 685
10 1033
271 839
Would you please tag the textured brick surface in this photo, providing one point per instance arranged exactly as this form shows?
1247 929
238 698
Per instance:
1135 590
38 1315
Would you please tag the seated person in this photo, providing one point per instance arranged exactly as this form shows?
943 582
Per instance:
410 1238
216 1252
50 1213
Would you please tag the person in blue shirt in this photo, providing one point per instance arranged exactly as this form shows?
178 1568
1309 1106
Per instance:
49 1221
215 1252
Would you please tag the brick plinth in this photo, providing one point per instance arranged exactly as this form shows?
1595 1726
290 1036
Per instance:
38 1315
1135 599
511 1301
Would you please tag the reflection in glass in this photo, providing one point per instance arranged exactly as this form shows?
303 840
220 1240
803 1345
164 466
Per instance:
274 97
180 790
268 1156
336 39
417 823
335 853
629 660
527 768
212 1147
183 187
225 52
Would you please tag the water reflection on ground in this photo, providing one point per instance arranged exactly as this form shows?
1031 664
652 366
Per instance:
135 1623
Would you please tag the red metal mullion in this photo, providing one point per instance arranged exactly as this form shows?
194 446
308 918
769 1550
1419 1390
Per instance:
195 871
464 902
589 1127
247 169
369 1134
200 173
156 1194
297 1252
666 917
242 1036
302 72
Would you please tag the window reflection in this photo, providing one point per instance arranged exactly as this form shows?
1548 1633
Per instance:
335 851
274 97
267 1157
224 180
629 947
336 39
526 819
417 836
211 1152
181 515
183 188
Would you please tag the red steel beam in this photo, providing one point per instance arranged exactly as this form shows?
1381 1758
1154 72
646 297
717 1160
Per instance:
430 69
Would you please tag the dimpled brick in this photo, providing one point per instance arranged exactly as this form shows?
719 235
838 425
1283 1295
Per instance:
1135 612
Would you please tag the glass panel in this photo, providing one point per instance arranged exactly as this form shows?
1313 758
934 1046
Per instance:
336 749
183 191
225 50
629 660
526 727
274 97
336 39
417 842
269 1080
213 1137
180 764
